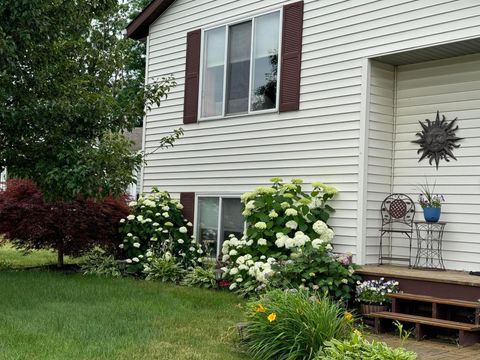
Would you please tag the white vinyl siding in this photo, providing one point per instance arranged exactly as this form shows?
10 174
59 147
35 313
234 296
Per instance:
321 140
380 151
453 87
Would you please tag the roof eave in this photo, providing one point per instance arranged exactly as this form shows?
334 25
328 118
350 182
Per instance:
139 27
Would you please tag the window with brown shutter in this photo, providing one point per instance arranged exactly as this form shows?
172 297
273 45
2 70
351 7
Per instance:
291 57
192 76
240 64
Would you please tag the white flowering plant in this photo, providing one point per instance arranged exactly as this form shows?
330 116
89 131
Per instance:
375 291
285 226
157 225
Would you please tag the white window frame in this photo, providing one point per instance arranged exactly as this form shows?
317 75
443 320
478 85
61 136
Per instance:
202 53
219 220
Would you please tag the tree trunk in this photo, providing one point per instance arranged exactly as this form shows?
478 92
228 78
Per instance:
60 258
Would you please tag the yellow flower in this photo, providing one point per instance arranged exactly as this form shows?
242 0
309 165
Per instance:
348 316
272 317
358 333
260 308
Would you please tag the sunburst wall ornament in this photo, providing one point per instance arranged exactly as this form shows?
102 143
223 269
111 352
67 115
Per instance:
437 140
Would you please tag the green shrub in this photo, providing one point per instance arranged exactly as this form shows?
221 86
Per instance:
98 262
287 228
198 276
164 268
358 348
293 324
157 224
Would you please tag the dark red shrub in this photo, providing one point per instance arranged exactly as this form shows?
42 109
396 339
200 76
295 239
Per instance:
71 228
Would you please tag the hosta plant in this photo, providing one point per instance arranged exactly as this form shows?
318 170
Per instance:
286 226
157 224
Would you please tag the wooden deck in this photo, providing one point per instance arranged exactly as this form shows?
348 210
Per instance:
427 282
449 276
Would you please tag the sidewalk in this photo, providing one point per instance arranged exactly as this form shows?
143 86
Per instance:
432 349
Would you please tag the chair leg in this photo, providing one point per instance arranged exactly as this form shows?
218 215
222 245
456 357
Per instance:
380 253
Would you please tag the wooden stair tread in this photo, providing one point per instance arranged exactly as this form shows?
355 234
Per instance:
432 299
426 321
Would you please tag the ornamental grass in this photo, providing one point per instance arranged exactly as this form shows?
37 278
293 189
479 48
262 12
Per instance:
287 325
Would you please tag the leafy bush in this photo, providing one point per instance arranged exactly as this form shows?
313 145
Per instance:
293 324
198 276
157 224
164 268
70 228
359 348
97 262
287 229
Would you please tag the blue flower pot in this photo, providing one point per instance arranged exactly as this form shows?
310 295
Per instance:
431 214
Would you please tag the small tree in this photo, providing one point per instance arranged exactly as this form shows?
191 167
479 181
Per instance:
70 228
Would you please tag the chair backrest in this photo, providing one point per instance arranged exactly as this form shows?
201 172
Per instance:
398 208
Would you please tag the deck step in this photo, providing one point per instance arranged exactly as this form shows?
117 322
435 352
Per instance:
426 321
435 300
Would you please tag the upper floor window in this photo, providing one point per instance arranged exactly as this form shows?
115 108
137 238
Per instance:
240 67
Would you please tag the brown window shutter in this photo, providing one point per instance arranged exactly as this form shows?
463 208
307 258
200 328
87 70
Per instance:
291 57
188 201
192 77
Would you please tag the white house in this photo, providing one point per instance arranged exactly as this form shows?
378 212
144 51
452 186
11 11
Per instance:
323 90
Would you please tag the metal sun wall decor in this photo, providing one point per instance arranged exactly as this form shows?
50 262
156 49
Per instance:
437 139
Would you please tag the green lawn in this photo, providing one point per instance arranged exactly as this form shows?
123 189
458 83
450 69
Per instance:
12 258
52 315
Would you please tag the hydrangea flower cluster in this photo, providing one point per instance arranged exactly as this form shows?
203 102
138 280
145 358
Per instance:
375 291
283 224
157 226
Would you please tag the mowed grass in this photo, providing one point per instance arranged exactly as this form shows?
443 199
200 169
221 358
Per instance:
49 315
13 258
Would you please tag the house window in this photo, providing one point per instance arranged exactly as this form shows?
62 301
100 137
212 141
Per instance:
217 218
240 67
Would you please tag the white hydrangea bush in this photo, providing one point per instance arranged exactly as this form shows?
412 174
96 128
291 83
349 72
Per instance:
285 226
155 227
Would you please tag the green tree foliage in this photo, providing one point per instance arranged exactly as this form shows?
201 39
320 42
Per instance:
70 84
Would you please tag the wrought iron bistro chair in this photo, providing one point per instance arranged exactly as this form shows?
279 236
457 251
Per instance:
398 213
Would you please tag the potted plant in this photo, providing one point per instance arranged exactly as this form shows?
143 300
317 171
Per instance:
430 202
371 294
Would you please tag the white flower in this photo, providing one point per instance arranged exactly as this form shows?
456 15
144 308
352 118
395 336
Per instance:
136 244
250 205
327 235
122 220
179 206
189 224
129 234
149 203
165 208
239 280
315 287
232 286
130 217
345 281
157 214
261 225
291 224
285 205
200 251
155 224
233 252
233 271
289 243
316 243
263 257
183 230
320 227
140 218
280 242
132 203
272 214
291 212
136 259
225 258
262 241
140 256
191 248
121 246
167 256
148 220
149 253
329 247
153 238
129 261
246 212
181 241
165 214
